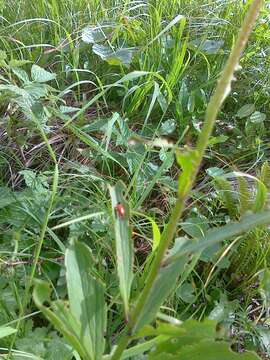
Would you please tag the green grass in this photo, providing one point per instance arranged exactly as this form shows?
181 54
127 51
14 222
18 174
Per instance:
120 117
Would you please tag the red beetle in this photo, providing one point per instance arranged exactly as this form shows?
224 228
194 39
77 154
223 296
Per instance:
120 210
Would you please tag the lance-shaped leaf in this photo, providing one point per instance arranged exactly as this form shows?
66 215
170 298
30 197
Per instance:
174 264
86 298
219 234
124 246
162 287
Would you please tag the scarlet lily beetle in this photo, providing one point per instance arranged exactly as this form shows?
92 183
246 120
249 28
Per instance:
120 210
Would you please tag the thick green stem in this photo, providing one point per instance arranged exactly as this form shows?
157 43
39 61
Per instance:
222 90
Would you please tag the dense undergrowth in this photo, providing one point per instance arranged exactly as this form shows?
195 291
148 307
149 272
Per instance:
105 91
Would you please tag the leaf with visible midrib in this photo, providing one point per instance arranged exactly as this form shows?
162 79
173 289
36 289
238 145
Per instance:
124 246
86 298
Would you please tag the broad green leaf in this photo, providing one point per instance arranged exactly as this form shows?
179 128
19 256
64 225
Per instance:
224 188
245 111
36 90
196 227
186 293
257 117
196 343
213 350
41 75
61 317
86 298
34 181
224 310
124 246
6 331
215 171
21 74
120 56
189 333
15 90
162 287
95 34
208 46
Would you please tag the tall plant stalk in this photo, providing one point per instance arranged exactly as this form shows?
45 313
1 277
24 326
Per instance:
221 92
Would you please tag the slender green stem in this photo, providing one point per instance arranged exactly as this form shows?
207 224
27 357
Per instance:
41 236
221 92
